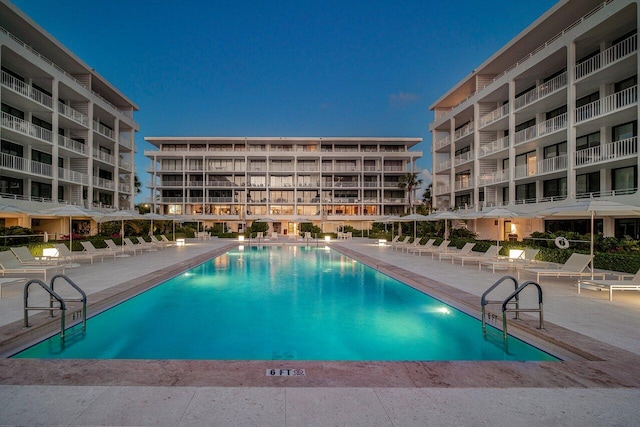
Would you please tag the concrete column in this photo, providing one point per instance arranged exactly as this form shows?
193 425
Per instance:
55 124
91 149
512 150
571 131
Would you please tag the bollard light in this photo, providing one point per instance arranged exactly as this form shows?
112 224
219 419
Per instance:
179 242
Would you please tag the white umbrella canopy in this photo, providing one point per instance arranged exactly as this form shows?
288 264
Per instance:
444 215
590 208
415 218
154 216
69 211
498 213
122 216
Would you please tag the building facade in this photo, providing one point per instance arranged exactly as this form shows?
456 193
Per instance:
236 180
552 115
67 134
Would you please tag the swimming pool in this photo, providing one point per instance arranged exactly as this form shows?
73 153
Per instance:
283 303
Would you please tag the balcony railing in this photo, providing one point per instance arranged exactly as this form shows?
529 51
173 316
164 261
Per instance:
545 128
553 164
545 89
124 164
125 140
443 142
607 152
70 144
464 157
171 184
494 177
463 184
494 147
72 114
73 176
103 130
494 116
390 184
105 157
24 127
610 104
464 131
443 165
607 57
443 189
24 89
124 187
394 169
25 165
104 183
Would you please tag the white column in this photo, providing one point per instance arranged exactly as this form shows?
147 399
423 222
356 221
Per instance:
571 131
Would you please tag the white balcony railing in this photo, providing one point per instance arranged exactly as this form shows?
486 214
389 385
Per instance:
105 157
545 89
464 157
125 164
464 131
73 176
607 57
124 187
553 164
494 116
443 142
103 130
25 165
72 114
24 127
547 127
104 183
394 169
70 144
463 184
607 152
124 140
443 165
494 177
494 147
442 189
610 104
24 89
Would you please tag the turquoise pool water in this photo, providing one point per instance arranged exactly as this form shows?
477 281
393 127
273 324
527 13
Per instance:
283 302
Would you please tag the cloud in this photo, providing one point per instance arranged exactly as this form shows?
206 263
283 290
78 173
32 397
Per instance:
427 177
402 99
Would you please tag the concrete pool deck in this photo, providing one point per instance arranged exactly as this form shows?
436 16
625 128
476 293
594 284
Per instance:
596 384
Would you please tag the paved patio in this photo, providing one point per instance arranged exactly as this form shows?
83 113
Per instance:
595 385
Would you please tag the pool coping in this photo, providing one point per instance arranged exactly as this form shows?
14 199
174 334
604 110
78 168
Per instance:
586 362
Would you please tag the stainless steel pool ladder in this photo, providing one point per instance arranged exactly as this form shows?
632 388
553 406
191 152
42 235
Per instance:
53 298
511 304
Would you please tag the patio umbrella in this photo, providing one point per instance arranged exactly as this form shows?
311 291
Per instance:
591 208
444 215
415 218
151 216
389 219
69 211
121 216
498 213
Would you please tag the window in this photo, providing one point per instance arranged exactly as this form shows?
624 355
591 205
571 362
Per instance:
592 97
462 151
555 150
39 156
627 227
588 141
588 183
529 89
172 164
6 108
8 147
42 123
625 84
105 199
525 125
463 200
525 164
624 131
555 187
625 178
40 189
556 112
505 195
11 185
526 191
105 174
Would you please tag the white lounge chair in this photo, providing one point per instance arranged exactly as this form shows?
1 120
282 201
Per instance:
24 255
490 255
574 267
9 264
399 243
132 246
120 250
418 249
65 253
466 250
160 243
527 259
91 249
150 246
612 285
412 245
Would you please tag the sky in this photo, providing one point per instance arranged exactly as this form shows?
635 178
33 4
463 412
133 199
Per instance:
366 68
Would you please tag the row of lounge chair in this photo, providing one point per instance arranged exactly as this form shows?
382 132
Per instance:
19 260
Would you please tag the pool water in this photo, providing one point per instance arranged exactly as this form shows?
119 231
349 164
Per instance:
283 302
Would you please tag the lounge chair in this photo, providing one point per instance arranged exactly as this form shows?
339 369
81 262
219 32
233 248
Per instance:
419 248
466 250
490 255
612 285
574 267
150 246
399 243
160 243
274 235
119 250
65 253
527 259
412 245
24 255
9 264
440 249
164 239
90 249
132 246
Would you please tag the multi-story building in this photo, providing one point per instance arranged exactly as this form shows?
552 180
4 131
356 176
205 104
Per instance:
552 115
236 180
67 134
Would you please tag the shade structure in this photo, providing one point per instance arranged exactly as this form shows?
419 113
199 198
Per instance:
413 218
69 211
390 219
591 208
265 220
154 216
444 215
122 216
498 213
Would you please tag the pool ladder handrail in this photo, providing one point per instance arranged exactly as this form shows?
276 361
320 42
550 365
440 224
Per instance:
53 298
514 300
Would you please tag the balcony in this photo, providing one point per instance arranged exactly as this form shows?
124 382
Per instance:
494 177
220 184
124 187
608 105
71 145
541 129
103 183
607 57
464 131
443 142
542 167
463 184
494 116
25 165
103 130
72 114
494 147
125 141
464 158
542 91
618 150
103 157
73 176
442 189
443 165
24 127
170 184
26 90
391 184
394 169
124 164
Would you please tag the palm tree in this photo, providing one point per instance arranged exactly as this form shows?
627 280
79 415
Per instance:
426 197
409 182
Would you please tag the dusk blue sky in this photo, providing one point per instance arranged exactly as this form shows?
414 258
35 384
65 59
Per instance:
283 68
